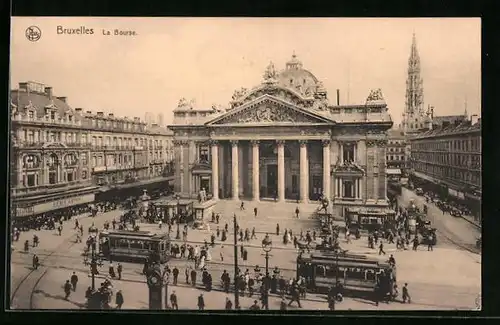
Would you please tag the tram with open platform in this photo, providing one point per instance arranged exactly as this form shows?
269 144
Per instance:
134 246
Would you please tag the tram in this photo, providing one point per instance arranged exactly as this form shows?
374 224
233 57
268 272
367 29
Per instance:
357 274
134 246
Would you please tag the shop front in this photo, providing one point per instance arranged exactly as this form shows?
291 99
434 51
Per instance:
51 204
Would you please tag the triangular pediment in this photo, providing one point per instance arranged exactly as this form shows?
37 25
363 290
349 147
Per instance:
348 169
266 110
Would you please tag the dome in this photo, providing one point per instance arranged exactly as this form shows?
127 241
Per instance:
294 76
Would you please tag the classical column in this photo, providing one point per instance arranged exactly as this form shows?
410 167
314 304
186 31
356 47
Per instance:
19 171
255 171
304 186
326 169
215 170
281 170
236 185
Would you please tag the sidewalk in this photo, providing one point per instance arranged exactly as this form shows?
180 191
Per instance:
49 295
471 220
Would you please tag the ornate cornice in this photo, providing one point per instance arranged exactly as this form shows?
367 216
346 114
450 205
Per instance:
303 143
180 142
255 142
371 143
214 142
326 142
234 143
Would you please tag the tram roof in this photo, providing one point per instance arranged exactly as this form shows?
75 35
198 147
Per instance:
136 234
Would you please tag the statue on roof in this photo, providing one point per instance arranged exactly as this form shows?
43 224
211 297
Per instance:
375 95
182 103
238 93
270 72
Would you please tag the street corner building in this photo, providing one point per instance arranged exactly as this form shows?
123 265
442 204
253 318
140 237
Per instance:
446 159
284 140
63 157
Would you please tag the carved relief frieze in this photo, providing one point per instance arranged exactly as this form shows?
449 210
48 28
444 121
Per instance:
268 113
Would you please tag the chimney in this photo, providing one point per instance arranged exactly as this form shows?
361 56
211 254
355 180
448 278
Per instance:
111 115
23 86
78 110
100 114
62 99
432 112
48 92
338 97
89 112
474 119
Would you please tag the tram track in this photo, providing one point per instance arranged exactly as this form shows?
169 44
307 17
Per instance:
34 276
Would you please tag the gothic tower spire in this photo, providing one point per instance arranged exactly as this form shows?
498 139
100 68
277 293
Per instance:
414 106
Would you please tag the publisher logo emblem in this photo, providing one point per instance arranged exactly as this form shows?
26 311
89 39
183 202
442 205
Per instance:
33 33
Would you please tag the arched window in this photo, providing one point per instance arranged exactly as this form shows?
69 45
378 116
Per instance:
70 160
53 164
31 161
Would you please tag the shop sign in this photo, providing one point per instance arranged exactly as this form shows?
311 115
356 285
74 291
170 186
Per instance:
54 205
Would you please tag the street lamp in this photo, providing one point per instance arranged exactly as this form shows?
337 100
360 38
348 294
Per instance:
95 261
178 234
236 275
166 281
267 246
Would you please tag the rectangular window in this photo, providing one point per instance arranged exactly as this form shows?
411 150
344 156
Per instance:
52 178
348 153
30 180
69 177
52 115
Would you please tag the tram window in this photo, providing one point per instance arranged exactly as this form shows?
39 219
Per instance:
112 243
370 275
122 243
135 244
320 270
154 246
373 221
364 220
146 245
356 274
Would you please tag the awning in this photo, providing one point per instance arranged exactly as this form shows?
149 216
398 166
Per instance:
142 183
425 177
393 171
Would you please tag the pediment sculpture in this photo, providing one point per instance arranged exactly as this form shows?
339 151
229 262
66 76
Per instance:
184 103
268 114
270 72
239 93
375 95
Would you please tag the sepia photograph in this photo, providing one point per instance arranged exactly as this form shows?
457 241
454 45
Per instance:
259 164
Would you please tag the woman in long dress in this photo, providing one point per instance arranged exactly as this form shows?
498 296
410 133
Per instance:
288 239
202 263
209 256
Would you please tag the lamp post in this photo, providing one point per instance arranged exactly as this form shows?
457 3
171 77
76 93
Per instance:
95 261
178 234
267 246
166 281
236 275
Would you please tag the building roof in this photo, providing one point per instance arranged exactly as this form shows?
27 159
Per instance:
395 134
448 118
450 129
39 101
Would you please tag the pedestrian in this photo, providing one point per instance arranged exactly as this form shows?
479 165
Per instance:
119 269
119 299
201 302
221 255
277 229
229 304
429 243
175 273
406 294
74 281
415 243
187 274
381 248
255 305
283 305
36 262
255 212
297 212
173 301
193 277
242 206
67 289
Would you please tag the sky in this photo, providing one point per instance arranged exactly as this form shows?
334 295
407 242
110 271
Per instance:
208 58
